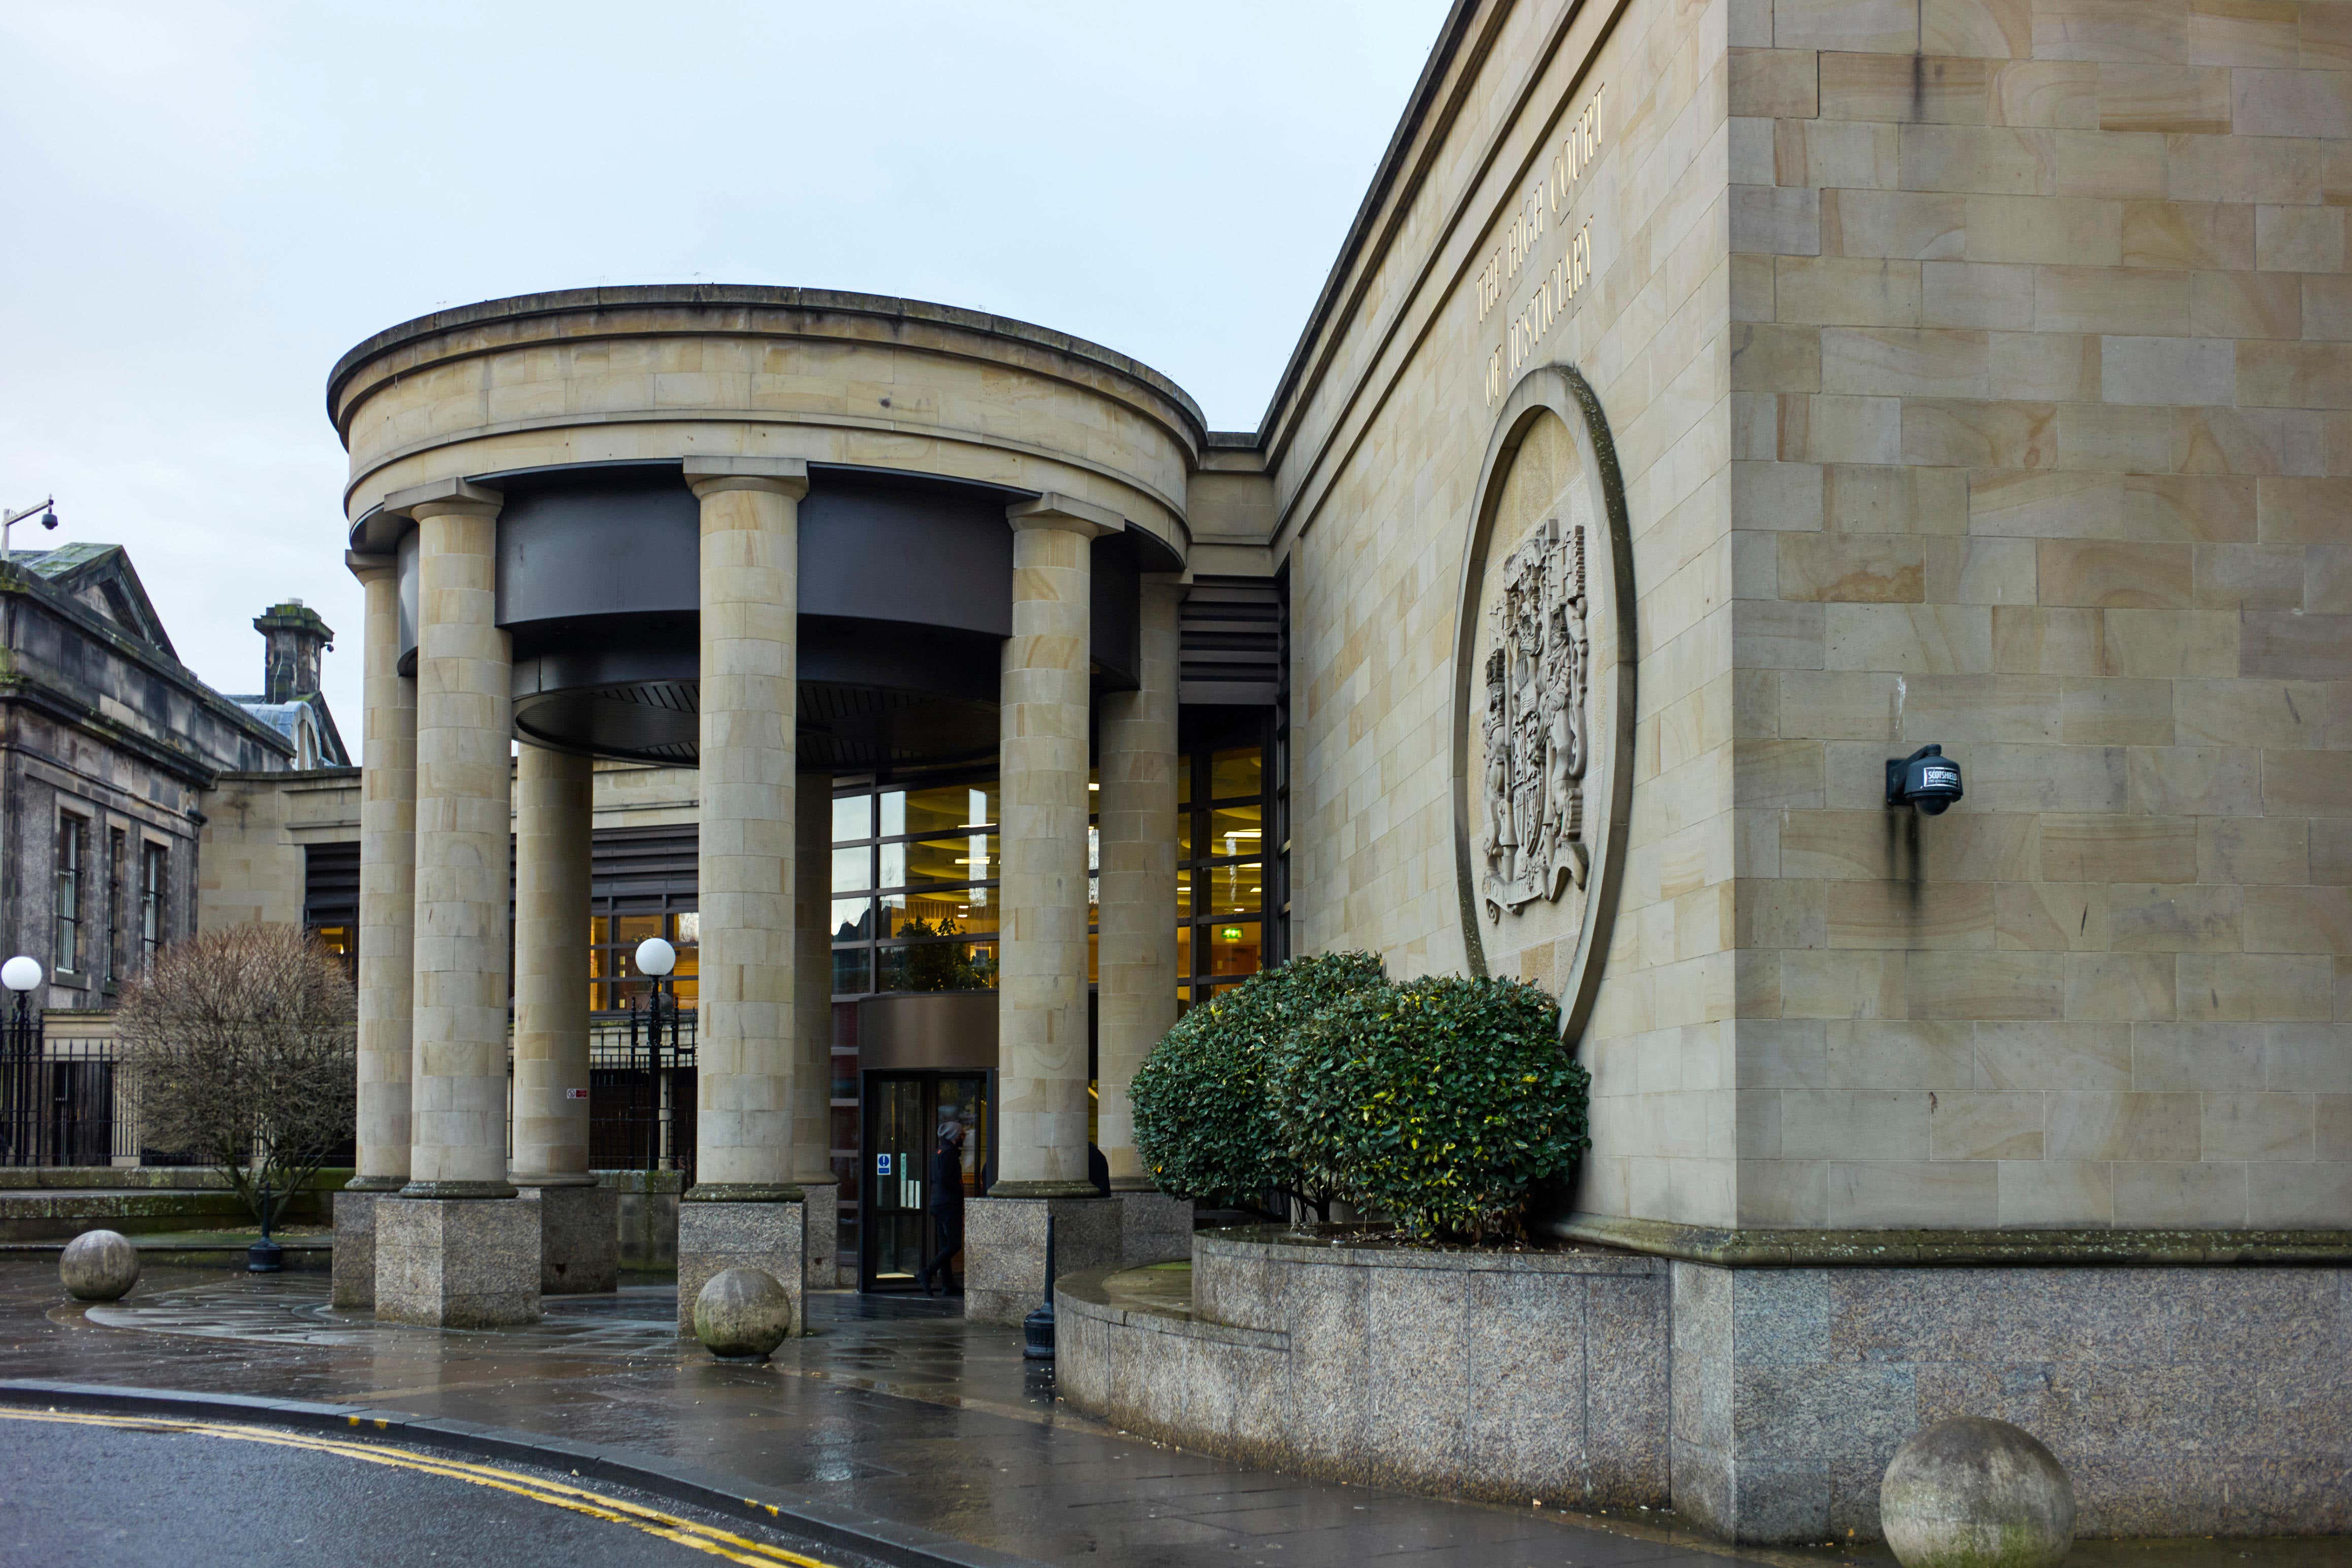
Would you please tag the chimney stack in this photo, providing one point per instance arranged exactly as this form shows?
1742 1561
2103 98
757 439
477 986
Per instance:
293 636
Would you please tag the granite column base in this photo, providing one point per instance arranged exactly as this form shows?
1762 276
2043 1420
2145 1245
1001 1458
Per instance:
579 1237
1004 1251
456 1263
821 1225
353 1281
1153 1227
767 1235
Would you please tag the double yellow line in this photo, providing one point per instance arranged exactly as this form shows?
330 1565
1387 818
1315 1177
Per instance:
595 1505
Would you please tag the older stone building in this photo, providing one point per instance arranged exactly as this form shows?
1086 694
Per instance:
111 747
1710 404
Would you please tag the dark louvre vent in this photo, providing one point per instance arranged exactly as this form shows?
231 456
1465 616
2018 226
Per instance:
633 861
1232 632
331 884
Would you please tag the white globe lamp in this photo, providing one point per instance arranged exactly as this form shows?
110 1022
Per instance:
20 973
656 958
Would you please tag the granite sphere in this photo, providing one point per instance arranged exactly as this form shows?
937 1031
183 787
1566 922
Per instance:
1976 1493
742 1314
99 1265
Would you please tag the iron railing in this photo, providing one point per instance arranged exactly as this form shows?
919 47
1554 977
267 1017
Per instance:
64 1099
641 1092
66 1093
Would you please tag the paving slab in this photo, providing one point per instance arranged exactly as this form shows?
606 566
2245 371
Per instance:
895 1410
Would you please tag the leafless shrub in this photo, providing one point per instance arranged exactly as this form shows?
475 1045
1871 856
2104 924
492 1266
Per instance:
240 1042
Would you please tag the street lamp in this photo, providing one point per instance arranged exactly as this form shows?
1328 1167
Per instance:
655 959
48 509
23 976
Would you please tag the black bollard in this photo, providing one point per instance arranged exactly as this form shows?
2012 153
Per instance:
1037 1328
265 1256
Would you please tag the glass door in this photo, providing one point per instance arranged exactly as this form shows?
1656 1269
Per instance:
903 1112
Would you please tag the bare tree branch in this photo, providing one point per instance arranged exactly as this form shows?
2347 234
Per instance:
240 1043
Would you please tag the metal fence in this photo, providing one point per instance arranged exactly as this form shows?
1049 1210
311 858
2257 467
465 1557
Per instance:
64 1099
641 1095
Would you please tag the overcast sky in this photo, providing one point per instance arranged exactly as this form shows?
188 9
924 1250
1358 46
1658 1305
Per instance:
203 205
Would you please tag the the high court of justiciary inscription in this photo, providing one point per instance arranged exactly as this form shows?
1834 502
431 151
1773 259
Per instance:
1709 402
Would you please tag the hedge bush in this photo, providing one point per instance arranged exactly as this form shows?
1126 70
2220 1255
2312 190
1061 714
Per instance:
1439 1102
1203 1124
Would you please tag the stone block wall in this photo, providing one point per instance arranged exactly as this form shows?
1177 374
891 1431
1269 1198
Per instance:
2041 430
1375 457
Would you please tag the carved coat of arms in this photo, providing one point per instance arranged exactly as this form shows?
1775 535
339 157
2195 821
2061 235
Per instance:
1535 728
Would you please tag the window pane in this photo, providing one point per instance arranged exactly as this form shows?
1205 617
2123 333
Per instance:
686 928
1185 780
937 966
852 920
1233 947
1183 951
894 813
851 870
1235 830
944 806
972 857
1240 771
1184 820
852 817
852 970
1235 889
1184 911
944 913
631 930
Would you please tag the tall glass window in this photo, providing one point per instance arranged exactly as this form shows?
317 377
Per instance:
119 889
1222 852
914 881
613 932
73 854
154 866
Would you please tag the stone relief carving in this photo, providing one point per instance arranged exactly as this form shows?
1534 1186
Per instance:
1537 727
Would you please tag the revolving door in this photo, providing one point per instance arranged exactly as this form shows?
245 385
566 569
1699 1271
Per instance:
903 1112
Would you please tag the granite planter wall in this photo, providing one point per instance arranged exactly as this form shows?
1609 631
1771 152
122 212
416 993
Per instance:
1760 1402
2184 1401
1508 1376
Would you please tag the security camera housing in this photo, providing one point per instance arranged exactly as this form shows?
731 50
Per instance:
1926 779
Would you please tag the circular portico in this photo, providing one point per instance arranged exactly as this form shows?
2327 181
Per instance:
776 534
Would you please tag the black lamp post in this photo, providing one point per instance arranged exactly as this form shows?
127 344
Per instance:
23 976
655 959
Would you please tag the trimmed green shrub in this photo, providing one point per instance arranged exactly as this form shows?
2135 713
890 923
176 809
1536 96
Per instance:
1439 1102
1203 1124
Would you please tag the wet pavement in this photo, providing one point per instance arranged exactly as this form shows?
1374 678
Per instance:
131 1492
893 1407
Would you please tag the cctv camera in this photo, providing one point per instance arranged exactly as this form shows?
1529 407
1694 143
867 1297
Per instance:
49 519
1927 779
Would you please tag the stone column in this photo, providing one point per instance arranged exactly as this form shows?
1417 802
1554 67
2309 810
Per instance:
387 930
453 1248
812 1028
579 1241
1136 991
744 1209
1041 1158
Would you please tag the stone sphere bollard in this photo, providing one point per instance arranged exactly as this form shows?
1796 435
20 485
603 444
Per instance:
742 1314
1974 1493
99 1265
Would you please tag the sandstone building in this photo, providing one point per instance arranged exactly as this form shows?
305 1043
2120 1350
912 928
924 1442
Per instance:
1710 402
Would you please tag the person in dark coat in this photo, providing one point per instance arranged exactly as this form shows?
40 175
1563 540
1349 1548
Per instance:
946 1205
